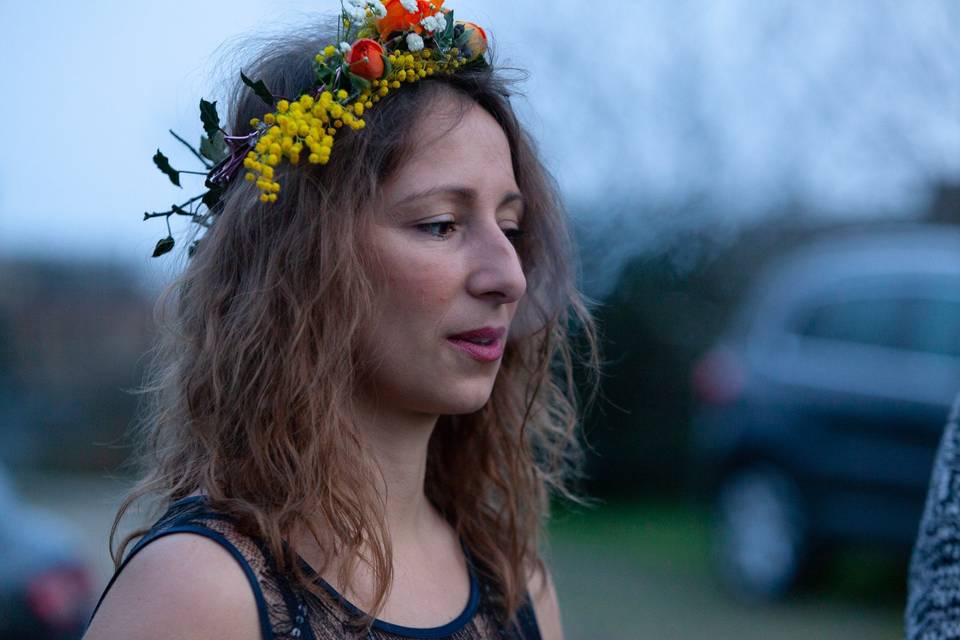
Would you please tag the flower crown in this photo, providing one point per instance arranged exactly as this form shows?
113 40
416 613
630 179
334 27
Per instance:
381 46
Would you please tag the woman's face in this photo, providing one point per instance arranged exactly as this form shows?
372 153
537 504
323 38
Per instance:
451 277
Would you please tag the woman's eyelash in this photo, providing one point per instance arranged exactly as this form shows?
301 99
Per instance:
514 235
440 229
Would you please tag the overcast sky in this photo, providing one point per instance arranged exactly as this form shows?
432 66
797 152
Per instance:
845 108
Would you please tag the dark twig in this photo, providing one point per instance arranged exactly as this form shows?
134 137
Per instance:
205 162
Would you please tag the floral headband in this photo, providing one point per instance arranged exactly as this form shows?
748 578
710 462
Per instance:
381 46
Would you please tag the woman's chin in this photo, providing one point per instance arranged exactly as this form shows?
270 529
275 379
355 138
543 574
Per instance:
468 399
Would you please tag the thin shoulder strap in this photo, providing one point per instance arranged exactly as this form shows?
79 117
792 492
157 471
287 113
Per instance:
266 630
527 621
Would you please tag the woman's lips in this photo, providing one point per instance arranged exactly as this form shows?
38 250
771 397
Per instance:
484 344
490 352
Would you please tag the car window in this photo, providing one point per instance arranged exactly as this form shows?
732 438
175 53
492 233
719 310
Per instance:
934 326
873 321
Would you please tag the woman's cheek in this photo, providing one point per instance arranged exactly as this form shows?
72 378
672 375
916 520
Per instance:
430 281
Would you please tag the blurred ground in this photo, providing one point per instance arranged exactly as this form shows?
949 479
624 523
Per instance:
640 571
622 571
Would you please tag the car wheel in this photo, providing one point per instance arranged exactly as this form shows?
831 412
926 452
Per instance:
760 541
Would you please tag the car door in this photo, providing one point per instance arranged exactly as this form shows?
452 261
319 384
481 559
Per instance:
861 407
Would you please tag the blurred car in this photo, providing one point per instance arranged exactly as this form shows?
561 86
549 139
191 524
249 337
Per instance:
45 588
820 408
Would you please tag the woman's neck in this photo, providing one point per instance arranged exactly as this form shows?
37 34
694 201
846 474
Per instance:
398 442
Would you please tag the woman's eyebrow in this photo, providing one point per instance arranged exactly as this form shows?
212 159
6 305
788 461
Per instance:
459 192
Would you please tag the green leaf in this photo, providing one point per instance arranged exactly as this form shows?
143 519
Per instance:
344 80
324 73
163 246
477 63
387 65
209 117
448 32
164 165
358 84
259 88
368 31
192 249
214 149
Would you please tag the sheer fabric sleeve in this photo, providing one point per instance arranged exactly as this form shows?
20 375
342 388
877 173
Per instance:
933 600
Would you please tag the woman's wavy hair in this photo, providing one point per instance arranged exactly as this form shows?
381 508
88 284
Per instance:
252 382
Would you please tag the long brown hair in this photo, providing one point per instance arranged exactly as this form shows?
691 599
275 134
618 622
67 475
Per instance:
252 385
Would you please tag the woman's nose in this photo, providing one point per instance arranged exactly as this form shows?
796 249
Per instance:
495 269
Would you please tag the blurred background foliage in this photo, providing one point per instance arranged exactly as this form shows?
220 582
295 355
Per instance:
73 335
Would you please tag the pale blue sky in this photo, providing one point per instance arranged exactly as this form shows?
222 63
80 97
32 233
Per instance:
847 108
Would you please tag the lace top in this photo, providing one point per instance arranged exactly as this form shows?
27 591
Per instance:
287 612
933 600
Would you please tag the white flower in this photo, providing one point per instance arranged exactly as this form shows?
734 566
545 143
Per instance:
378 9
434 23
410 5
414 42
429 24
357 13
345 48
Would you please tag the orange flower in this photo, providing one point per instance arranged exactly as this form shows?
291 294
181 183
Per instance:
399 19
476 40
366 59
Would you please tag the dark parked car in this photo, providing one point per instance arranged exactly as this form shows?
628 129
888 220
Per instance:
821 407
44 584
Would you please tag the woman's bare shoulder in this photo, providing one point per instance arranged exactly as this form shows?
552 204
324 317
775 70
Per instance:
545 604
180 585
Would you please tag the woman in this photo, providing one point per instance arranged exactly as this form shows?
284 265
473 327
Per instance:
365 400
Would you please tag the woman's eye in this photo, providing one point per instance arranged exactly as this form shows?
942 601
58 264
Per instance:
440 229
513 235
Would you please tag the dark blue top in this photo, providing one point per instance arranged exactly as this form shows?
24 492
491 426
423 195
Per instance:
286 610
